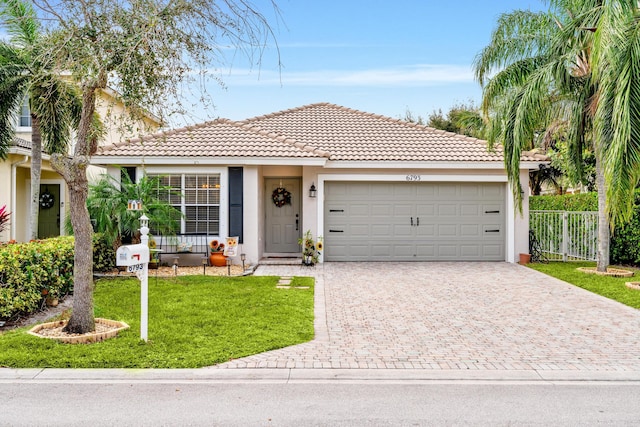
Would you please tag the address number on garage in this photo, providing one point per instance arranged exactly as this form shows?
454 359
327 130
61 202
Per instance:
413 178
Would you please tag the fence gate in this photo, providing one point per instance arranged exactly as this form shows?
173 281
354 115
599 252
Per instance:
562 235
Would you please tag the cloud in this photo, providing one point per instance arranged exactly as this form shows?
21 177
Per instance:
414 75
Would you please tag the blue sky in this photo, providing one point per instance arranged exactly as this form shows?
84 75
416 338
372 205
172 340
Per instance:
382 57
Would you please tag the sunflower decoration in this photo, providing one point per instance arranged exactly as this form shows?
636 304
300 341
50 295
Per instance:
319 244
216 246
152 244
281 197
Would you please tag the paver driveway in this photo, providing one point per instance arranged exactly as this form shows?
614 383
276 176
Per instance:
456 316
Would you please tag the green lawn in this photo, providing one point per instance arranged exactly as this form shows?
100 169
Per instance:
610 287
194 321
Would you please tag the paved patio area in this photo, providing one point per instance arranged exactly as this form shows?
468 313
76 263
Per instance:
444 316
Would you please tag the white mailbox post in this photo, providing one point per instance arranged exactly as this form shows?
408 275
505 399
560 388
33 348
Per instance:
136 259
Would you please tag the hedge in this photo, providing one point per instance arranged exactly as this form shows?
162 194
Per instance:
104 256
31 271
566 202
625 240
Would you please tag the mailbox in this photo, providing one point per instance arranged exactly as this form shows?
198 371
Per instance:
130 255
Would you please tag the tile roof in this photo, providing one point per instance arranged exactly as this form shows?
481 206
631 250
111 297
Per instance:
217 138
352 135
21 143
320 130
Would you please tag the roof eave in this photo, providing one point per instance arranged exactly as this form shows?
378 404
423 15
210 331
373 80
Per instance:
212 161
497 165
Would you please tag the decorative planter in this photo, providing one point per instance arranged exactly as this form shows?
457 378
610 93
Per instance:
525 259
633 285
218 259
105 329
153 265
613 272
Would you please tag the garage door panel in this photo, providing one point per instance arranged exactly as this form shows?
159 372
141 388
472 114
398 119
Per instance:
425 250
470 251
356 209
447 230
401 231
425 231
403 210
358 230
469 230
373 221
447 210
381 231
492 251
447 191
447 251
469 210
378 209
470 190
425 209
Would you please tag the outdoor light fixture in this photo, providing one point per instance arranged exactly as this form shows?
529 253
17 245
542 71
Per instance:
175 266
228 266
205 261
243 257
312 191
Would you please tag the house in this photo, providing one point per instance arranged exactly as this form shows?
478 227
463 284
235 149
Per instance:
372 187
15 171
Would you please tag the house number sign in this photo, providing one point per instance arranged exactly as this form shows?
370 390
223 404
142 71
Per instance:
413 178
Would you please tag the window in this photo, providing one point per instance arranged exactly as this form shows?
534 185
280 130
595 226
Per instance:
198 198
25 115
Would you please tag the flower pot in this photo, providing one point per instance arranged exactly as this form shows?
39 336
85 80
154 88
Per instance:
525 259
218 259
51 301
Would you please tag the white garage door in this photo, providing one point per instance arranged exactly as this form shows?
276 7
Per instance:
375 221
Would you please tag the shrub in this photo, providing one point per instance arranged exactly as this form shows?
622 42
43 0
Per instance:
31 271
104 256
625 241
566 202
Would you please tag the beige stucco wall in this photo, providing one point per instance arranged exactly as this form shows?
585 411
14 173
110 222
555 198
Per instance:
312 208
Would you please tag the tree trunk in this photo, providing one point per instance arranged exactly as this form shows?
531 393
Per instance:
36 167
603 218
74 171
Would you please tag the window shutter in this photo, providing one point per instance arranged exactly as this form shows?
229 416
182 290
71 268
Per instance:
235 202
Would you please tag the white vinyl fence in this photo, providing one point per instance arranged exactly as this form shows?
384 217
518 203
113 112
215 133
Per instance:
561 235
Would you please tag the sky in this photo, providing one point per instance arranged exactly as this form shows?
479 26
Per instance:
380 56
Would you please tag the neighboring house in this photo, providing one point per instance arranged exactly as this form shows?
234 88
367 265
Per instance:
385 189
15 171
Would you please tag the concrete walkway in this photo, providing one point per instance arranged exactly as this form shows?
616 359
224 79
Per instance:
457 317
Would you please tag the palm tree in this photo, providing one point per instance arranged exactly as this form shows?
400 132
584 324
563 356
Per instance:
107 205
616 59
25 74
538 69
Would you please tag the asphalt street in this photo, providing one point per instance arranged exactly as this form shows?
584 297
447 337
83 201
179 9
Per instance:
370 403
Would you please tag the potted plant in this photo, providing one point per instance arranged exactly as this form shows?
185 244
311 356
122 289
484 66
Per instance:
310 249
154 257
217 257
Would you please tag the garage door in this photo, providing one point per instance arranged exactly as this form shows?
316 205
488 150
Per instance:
375 221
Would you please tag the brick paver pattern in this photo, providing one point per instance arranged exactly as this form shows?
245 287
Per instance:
485 316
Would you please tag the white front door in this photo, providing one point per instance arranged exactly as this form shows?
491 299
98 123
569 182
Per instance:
283 219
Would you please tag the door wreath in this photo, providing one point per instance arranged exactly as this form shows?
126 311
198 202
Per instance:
281 197
47 200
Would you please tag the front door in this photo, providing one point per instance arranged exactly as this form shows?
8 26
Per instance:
283 219
49 212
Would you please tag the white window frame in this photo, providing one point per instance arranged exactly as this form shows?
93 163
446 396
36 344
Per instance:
223 203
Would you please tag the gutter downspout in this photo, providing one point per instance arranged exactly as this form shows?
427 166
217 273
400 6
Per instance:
14 166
